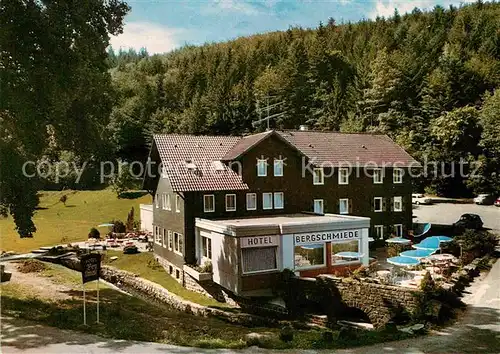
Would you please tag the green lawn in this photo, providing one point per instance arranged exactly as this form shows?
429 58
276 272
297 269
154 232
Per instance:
58 224
146 267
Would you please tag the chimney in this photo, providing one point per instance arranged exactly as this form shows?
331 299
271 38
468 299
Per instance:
303 127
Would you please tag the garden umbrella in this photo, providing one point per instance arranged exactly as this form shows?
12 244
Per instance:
423 246
403 261
348 255
400 240
434 241
417 254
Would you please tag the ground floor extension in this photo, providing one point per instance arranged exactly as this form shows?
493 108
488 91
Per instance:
247 254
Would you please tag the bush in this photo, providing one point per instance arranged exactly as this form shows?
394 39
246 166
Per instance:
94 233
118 226
286 333
474 244
427 285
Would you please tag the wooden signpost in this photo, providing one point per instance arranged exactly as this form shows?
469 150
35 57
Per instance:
91 269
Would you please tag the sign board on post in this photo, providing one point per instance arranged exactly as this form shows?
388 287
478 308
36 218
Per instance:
91 269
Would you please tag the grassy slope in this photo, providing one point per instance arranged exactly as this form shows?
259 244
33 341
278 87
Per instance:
145 266
63 224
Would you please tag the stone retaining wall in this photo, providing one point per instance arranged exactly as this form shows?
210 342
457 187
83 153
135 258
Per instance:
149 290
379 302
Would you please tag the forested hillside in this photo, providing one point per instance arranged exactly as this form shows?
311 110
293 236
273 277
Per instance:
427 79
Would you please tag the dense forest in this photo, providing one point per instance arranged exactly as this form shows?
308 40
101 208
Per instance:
427 79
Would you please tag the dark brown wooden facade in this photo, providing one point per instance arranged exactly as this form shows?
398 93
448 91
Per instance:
298 190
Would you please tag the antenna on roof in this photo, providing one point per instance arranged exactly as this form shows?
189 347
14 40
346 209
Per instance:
267 110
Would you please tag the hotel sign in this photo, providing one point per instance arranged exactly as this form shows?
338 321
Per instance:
259 241
326 236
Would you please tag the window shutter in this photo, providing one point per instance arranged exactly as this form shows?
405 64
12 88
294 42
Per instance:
403 207
384 204
392 204
350 205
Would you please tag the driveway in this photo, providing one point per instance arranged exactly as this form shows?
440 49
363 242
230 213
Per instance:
444 213
477 331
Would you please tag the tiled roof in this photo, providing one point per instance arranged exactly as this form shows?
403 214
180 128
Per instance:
355 149
189 159
245 144
189 162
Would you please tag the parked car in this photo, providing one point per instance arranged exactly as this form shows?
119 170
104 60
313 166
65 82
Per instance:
418 198
469 221
497 202
484 199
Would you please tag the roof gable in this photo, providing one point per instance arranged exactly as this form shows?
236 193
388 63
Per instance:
247 143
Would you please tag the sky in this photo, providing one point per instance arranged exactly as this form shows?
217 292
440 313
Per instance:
163 25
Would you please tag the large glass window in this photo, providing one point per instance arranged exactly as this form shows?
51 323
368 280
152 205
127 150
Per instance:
258 259
338 248
309 255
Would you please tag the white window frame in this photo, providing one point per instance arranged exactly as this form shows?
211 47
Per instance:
157 201
164 238
204 246
321 175
205 196
259 162
264 200
177 245
169 204
381 228
347 205
282 200
177 203
399 175
278 162
170 244
381 204
261 271
228 196
342 171
157 234
380 174
400 199
253 195
322 205
400 227
316 265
